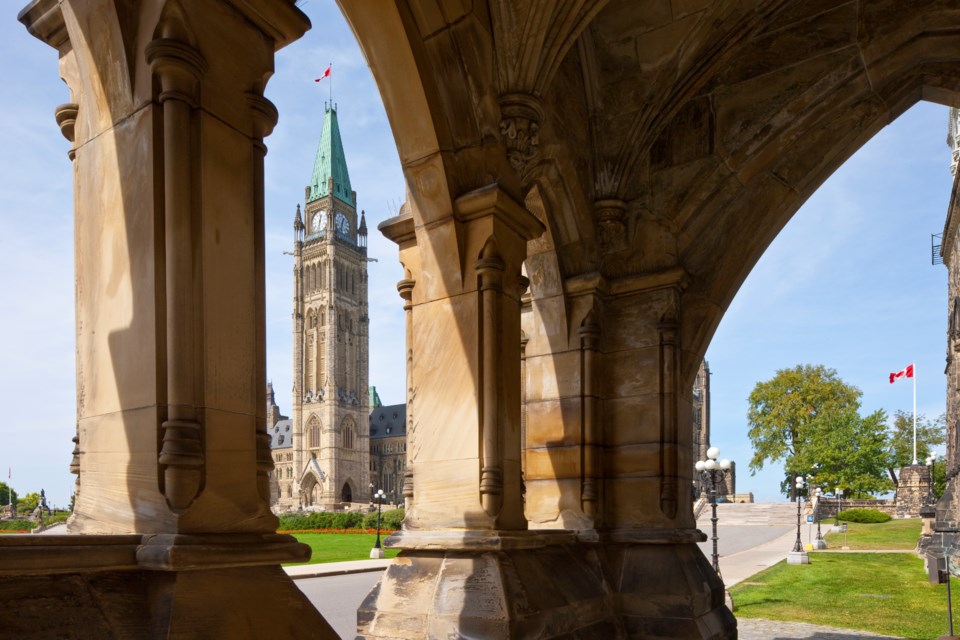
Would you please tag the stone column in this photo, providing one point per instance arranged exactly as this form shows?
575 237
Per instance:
172 453
648 533
468 566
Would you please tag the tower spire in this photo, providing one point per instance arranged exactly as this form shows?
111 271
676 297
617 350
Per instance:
330 162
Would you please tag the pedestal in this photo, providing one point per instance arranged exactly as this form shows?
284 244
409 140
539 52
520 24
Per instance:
798 557
133 586
376 553
819 544
556 585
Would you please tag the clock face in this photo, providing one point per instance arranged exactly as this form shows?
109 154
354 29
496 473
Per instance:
342 224
319 221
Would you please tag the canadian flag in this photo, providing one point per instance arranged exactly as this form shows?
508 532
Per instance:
325 74
903 373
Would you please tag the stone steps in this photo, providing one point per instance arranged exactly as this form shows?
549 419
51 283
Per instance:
753 514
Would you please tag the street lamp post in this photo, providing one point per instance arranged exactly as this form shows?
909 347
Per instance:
932 463
820 543
839 493
714 471
377 551
798 555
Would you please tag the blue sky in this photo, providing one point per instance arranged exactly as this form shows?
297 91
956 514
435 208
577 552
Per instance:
847 284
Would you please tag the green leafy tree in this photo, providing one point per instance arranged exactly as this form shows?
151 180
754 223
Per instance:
850 450
5 492
930 433
784 412
28 503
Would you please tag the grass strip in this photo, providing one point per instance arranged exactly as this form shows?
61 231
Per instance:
341 547
885 536
886 593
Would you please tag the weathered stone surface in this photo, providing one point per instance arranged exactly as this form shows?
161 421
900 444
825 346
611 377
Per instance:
662 145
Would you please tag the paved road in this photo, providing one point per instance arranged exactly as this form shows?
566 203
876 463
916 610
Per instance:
736 538
337 598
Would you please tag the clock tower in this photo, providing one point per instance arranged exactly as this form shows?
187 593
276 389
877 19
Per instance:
331 453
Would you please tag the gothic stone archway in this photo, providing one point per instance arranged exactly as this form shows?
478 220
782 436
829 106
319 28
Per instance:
670 142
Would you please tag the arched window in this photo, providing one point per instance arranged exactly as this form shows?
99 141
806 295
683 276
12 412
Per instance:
314 430
349 429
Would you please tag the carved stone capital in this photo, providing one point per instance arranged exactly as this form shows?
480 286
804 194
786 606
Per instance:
66 116
611 215
178 66
265 115
520 118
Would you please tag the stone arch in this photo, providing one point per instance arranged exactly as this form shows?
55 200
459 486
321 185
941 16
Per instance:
311 488
346 492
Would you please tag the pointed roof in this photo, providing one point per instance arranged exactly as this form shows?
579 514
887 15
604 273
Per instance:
330 162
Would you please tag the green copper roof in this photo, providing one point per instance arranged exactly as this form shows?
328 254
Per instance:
330 162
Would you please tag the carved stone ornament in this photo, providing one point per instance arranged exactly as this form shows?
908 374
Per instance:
610 217
520 127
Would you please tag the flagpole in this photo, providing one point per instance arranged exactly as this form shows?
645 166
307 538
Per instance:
914 413
330 66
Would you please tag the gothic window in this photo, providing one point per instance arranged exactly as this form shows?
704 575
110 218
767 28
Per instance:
314 433
348 428
322 362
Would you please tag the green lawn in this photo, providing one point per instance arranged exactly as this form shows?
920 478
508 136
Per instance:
340 547
883 536
885 593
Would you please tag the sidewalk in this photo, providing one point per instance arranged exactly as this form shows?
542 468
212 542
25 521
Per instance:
303 571
738 567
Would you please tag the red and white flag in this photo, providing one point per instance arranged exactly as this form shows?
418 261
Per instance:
325 74
903 373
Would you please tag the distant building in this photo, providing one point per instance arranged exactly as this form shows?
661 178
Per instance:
948 506
701 431
322 453
388 448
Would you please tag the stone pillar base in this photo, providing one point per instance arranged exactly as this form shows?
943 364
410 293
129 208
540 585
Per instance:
195 586
666 587
548 586
798 557
819 544
555 591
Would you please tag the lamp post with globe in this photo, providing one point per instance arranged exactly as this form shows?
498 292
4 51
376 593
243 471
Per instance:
377 551
932 463
798 555
714 472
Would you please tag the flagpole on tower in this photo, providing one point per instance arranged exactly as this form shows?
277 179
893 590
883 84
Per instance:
914 413
330 67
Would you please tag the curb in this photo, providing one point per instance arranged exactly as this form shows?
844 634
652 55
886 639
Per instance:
302 572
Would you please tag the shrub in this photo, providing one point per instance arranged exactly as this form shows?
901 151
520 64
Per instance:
388 519
321 520
867 516
16 525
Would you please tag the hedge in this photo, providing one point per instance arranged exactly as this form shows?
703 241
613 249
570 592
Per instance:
340 520
867 516
17 525
388 519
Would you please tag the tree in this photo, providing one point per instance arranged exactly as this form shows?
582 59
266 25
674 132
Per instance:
850 451
785 409
930 433
5 495
28 503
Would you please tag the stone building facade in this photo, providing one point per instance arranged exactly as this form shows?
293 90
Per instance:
948 506
388 449
327 463
623 163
